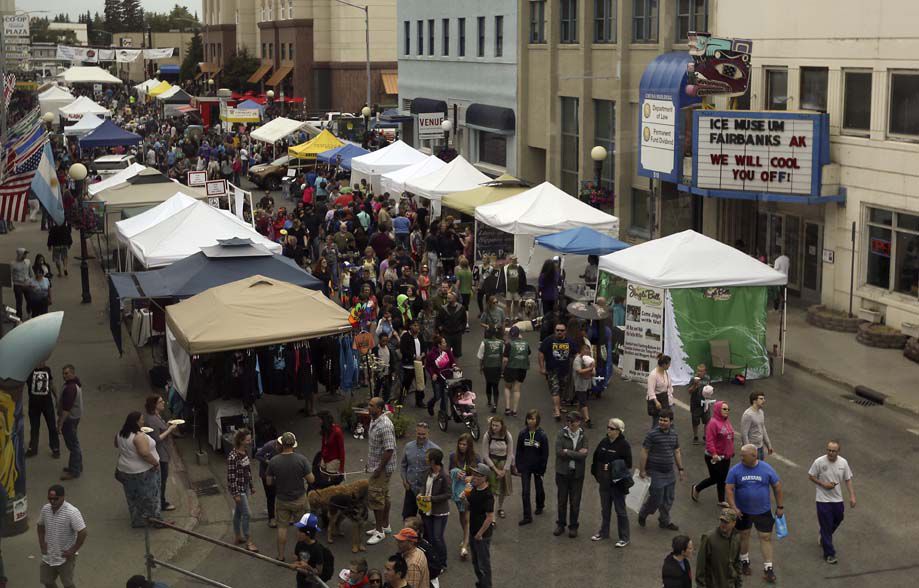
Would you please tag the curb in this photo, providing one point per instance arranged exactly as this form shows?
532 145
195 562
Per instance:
187 497
869 394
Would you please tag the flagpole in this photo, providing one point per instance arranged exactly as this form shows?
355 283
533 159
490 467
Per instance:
3 100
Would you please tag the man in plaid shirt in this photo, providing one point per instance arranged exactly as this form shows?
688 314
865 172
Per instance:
381 463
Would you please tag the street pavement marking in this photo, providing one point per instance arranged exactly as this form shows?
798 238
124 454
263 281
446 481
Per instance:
780 458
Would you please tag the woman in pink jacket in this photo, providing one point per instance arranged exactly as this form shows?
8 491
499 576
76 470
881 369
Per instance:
719 449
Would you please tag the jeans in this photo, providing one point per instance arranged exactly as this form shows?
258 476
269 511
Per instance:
440 392
613 498
525 493
660 498
569 499
42 407
717 474
830 516
241 516
21 293
69 431
164 475
269 497
481 561
434 529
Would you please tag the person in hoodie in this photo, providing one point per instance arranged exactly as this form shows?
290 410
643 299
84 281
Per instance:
719 449
531 457
612 468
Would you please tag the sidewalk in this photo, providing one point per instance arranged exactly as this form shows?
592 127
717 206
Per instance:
113 386
840 358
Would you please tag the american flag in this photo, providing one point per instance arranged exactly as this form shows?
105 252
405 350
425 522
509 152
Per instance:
14 192
9 86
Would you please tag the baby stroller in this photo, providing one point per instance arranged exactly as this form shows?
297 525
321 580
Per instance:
462 406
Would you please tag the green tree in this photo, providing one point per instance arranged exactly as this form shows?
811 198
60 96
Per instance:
113 16
178 19
238 69
193 57
132 14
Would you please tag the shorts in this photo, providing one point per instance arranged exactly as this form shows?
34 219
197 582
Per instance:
763 522
48 575
378 491
581 397
59 253
700 417
288 512
512 296
558 383
512 375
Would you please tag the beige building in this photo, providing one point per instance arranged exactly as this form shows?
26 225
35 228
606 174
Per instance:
134 71
859 62
309 48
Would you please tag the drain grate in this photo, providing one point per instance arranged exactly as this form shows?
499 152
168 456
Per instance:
206 487
859 400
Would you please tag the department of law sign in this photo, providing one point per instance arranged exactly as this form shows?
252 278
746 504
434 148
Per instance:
758 151
658 135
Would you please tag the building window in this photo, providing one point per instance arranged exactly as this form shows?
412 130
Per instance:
904 104
813 88
461 37
569 21
445 25
537 21
264 51
605 136
407 33
290 8
604 21
492 148
290 50
431 37
644 21
692 15
480 45
499 36
856 101
893 251
776 89
570 143
283 51
641 212
270 50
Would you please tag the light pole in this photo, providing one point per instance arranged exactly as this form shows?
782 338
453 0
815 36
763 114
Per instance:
446 126
78 173
210 84
598 154
366 112
48 118
282 101
366 10
270 95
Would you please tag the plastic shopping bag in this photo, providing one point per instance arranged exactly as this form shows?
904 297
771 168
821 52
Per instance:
781 527
637 493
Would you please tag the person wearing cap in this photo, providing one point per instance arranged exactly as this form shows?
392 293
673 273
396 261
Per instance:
698 407
418 574
570 458
308 552
22 275
481 503
512 282
516 362
287 472
718 556
612 468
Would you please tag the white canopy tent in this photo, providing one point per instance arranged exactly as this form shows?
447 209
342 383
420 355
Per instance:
394 181
187 231
144 87
83 105
277 129
116 179
129 227
53 99
85 125
87 75
543 210
457 176
372 166
175 89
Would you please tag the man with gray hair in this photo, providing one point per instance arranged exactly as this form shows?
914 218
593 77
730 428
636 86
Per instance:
829 472
414 468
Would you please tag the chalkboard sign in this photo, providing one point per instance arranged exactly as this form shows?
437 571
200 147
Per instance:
491 241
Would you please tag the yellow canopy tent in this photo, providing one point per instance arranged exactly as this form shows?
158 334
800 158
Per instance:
157 90
502 187
322 142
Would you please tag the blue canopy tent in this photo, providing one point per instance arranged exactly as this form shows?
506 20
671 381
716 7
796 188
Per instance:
251 105
347 153
108 134
581 241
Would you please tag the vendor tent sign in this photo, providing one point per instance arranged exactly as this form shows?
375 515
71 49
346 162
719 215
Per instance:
644 329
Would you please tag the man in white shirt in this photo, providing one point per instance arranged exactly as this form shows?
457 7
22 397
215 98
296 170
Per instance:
782 264
829 472
61 533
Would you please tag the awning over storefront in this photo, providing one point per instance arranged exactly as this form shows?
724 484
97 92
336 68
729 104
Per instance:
390 82
260 73
208 68
172 70
279 74
491 118
425 105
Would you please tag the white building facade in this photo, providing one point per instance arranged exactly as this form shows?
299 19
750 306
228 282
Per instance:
459 59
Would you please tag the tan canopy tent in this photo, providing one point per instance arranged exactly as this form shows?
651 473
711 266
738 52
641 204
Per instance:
253 312
502 187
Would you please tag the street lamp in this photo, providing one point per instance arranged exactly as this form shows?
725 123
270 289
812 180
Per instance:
282 101
598 154
366 112
446 126
48 118
78 173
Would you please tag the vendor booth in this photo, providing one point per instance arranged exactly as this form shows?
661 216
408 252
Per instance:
697 300
108 134
457 176
87 75
144 87
277 129
83 105
310 149
159 89
341 156
504 186
581 241
372 166
84 126
53 99
394 181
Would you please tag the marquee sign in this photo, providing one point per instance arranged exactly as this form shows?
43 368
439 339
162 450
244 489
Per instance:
768 152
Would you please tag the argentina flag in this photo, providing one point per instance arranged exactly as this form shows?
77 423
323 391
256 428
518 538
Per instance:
46 186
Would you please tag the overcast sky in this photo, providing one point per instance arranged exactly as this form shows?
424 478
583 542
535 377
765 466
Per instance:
75 7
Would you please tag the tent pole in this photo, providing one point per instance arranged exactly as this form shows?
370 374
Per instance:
782 333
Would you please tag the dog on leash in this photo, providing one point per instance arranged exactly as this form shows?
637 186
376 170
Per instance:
348 500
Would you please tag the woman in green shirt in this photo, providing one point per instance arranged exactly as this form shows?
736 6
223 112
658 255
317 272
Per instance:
516 363
464 281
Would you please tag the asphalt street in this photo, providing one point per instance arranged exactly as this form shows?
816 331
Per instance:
875 543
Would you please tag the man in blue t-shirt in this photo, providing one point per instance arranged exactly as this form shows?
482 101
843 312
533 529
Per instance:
748 486
556 352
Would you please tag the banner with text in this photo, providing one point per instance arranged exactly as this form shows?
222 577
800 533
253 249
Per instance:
429 125
644 329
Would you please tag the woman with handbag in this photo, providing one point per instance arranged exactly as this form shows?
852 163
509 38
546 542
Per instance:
612 468
660 388
461 464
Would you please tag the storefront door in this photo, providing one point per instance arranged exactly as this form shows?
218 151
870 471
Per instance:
812 261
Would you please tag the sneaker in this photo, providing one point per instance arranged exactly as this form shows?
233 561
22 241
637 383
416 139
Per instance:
695 441
598 537
31 453
694 493
376 537
769 575
572 533
524 522
620 544
831 559
538 511
69 476
558 531
670 527
385 531
745 568
168 507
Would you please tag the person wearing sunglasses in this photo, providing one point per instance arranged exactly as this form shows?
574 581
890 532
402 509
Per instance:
719 449
611 467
